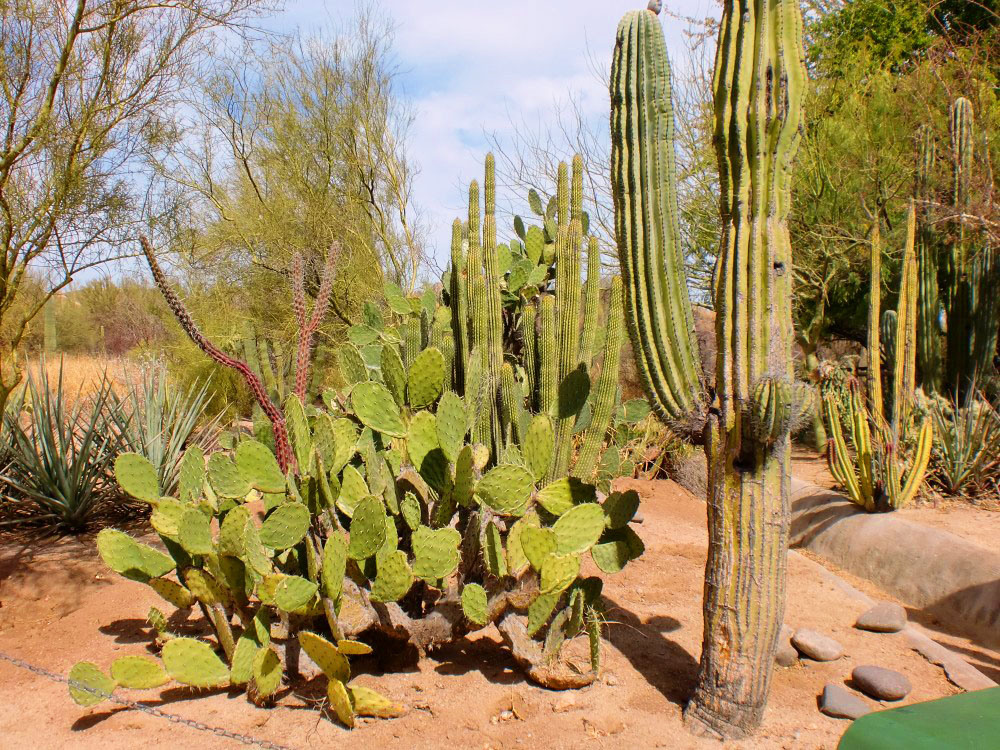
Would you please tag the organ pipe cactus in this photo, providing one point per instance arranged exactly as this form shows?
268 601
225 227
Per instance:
928 250
758 88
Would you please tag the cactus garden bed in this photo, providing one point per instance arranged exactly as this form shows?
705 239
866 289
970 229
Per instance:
54 605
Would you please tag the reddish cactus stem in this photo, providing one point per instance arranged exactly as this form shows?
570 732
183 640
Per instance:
283 449
307 329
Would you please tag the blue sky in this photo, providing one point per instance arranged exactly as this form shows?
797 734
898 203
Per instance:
469 66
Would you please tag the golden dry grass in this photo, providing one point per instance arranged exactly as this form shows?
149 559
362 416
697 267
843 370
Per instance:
82 373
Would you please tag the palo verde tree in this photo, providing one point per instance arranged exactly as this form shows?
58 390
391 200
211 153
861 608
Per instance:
87 86
760 78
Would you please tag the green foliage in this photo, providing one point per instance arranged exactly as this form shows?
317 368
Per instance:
965 461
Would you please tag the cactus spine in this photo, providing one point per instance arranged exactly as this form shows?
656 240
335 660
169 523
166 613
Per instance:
759 84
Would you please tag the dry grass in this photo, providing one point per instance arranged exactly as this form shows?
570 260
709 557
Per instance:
82 373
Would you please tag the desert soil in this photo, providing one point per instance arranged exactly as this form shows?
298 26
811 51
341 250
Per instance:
58 604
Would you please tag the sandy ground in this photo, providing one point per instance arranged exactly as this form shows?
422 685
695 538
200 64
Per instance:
59 605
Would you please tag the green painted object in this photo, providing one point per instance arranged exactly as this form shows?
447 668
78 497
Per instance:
968 721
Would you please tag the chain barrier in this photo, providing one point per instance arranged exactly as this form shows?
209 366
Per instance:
76 685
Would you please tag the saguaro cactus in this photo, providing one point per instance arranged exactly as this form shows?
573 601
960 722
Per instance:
759 82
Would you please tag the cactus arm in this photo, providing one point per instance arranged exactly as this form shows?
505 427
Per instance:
874 322
547 366
659 316
838 455
530 362
928 337
274 414
918 469
591 302
459 302
568 319
607 386
309 326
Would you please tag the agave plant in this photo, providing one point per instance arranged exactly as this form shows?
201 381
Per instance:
158 421
61 456
966 457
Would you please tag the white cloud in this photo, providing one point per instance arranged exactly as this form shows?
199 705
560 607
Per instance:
471 67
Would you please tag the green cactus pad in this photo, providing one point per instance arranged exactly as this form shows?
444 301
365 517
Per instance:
255 554
377 409
352 366
537 544
340 702
367 702
138 672
396 299
166 517
327 656
579 528
558 572
192 662
137 477
451 425
367 529
539 445
539 611
506 489
157 619
257 465
84 675
436 552
421 437
232 573
286 526
475 603
225 478
232 532
516 559
294 593
425 378
298 430
353 489
345 445
324 439
194 532
465 479
620 508
241 671
616 549
559 496
172 592
353 648
191 475
394 577
334 564
411 510
204 587
266 671
131 559
493 551
393 373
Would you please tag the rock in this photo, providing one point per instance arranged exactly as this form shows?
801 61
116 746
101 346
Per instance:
884 617
841 704
881 683
816 646
786 655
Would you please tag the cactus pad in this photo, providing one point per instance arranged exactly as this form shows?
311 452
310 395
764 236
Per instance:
465 480
537 544
451 425
192 662
194 532
411 510
539 611
352 366
294 593
425 379
539 445
138 672
353 489
493 551
266 671
232 532
167 515
421 437
394 577
87 678
286 526
377 409
191 474
516 559
474 603
327 656
225 478
506 489
257 465
579 528
353 648
340 702
131 559
204 587
367 529
616 548
620 507
172 592
558 572
346 434
334 564
559 496
393 373
436 552
137 477
367 702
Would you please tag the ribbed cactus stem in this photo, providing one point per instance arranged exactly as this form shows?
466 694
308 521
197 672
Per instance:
548 364
905 377
530 361
459 301
411 335
606 386
562 195
576 189
644 186
511 406
591 302
929 305
568 318
283 449
874 321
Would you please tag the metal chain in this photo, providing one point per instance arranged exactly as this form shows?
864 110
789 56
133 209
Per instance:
75 684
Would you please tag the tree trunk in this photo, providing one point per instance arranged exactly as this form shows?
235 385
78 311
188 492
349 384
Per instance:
748 521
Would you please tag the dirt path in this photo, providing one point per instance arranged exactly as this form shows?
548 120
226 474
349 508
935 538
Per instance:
60 606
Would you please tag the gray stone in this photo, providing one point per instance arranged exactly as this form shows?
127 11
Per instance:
841 704
881 683
816 646
884 617
786 655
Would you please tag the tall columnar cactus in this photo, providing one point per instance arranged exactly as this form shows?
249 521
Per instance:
929 353
274 414
759 83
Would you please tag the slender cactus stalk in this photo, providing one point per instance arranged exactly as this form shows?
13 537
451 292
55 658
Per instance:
309 326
